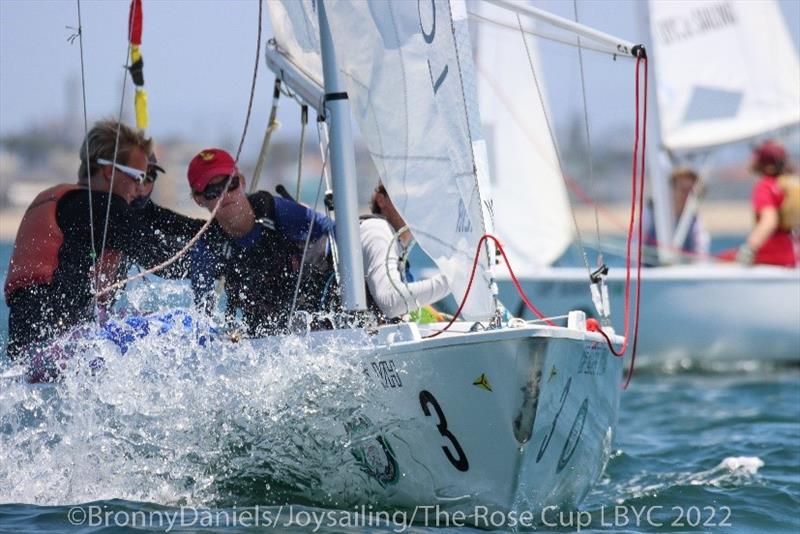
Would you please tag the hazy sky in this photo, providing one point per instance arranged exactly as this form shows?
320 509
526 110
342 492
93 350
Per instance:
199 57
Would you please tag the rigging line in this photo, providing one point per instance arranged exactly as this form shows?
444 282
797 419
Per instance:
303 124
114 158
588 140
207 224
572 185
308 235
641 206
253 85
272 125
93 253
555 147
322 128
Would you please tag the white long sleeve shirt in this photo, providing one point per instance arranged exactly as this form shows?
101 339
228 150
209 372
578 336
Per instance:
376 242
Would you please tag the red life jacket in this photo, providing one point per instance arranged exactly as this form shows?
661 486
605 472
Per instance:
39 238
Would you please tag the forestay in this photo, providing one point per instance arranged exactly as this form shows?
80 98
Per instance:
531 205
410 79
726 71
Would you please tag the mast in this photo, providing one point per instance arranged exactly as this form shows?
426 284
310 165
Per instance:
657 160
343 169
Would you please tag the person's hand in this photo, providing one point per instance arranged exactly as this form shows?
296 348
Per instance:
745 254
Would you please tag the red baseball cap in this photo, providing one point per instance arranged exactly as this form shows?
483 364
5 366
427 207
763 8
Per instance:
769 153
207 164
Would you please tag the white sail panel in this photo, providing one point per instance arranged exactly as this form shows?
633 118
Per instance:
410 78
409 74
726 71
530 199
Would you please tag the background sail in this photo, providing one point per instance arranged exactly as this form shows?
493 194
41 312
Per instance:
726 71
530 199
410 78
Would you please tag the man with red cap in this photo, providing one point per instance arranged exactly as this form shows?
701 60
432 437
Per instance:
768 243
257 243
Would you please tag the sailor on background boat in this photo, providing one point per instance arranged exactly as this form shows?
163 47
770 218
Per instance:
49 287
697 244
256 242
771 241
385 241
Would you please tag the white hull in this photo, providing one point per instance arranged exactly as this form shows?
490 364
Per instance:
431 436
695 312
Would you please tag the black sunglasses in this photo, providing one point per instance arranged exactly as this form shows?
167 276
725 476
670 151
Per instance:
214 191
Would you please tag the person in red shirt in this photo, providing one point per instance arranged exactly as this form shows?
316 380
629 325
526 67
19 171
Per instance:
767 242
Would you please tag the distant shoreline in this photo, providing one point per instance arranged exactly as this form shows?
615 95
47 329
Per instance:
720 217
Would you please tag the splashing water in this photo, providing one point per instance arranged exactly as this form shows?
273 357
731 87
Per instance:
731 472
182 419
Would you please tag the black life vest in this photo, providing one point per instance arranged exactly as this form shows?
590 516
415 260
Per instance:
261 279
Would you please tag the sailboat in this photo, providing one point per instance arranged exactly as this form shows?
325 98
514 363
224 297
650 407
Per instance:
480 412
486 412
708 96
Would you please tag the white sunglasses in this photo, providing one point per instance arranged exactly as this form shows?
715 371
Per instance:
135 174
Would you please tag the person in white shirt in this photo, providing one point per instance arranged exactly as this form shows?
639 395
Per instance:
385 242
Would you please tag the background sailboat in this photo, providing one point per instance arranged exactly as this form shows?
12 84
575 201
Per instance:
713 312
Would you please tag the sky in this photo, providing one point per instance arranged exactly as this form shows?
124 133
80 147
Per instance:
199 59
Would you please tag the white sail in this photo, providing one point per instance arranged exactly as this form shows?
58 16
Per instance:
531 204
726 71
410 79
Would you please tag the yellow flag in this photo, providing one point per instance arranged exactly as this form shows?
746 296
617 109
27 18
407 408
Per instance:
140 104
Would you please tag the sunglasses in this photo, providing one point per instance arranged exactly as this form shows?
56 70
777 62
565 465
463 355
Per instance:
134 174
214 191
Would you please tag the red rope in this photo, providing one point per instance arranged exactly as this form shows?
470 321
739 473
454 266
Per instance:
641 207
634 185
525 299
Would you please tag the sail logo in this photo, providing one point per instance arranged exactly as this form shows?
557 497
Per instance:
463 225
482 382
428 29
696 23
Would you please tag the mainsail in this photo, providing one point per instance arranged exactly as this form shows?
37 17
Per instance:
726 71
531 205
410 79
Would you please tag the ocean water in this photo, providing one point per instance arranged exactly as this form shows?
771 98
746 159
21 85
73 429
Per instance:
197 439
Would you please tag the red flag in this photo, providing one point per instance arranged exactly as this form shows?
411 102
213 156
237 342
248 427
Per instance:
135 22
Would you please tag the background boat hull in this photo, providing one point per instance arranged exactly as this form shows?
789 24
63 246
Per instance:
687 312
